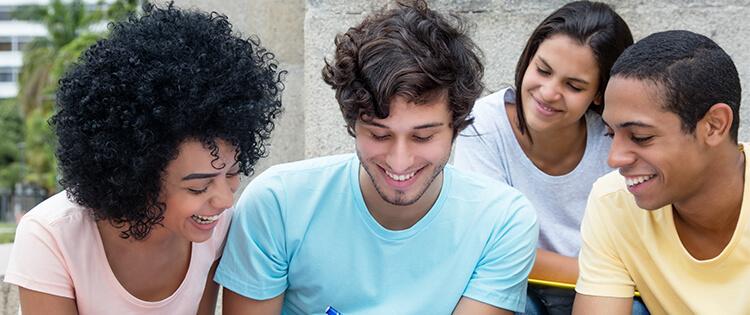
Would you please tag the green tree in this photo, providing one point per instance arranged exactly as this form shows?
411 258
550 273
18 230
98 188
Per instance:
121 9
45 60
11 129
64 23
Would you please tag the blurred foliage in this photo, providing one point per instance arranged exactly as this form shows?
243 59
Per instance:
64 21
45 59
39 153
69 54
11 127
121 9
6 238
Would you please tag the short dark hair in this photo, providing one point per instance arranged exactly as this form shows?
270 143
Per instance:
691 71
157 81
593 24
410 51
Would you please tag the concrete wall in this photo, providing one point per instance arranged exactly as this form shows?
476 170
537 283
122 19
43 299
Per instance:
301 33
501 30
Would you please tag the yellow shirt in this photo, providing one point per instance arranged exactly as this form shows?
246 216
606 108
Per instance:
625 247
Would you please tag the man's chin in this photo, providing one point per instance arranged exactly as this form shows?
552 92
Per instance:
650 205
399 200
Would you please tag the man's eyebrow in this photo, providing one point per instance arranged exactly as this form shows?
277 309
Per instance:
199 176
372 123
429 125
423 126
635 123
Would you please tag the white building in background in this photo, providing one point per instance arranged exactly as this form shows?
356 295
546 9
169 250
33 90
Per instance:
14 35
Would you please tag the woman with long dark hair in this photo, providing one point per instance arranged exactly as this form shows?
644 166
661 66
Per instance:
545 136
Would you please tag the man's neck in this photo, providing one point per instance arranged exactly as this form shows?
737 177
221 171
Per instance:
706 223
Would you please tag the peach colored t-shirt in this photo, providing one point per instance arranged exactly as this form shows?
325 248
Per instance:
58 251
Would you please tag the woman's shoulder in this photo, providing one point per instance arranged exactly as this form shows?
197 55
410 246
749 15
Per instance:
494 102
58 211
489 112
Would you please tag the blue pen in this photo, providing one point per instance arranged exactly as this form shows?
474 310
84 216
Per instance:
332 311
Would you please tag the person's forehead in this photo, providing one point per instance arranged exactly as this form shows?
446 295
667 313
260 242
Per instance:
194 154
628 98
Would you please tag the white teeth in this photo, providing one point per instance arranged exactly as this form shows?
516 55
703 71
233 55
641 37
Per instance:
632 181
547 108
205 219
400 178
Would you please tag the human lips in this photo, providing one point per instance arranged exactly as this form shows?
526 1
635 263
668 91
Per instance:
632 181
401 180
400 177
205 220
545 108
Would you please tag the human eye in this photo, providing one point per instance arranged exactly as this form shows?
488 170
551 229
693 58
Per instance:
197 191
542 71
422 139
609 133
378 137
574 88
641 139
233 174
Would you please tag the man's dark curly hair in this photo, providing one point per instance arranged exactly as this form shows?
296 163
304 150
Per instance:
410 51
158 80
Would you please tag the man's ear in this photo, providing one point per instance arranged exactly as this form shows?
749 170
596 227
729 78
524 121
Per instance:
715 125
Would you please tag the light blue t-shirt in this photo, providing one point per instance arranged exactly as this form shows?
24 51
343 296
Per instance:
559 200
303 228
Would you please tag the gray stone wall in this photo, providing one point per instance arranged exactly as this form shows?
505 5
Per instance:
8 299
501 28
301 33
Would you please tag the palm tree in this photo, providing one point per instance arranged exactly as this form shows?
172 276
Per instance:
45 59
64 23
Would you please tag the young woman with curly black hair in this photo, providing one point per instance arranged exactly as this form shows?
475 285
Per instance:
155 124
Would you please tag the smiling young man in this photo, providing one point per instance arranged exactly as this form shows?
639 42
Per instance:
392 229
672 222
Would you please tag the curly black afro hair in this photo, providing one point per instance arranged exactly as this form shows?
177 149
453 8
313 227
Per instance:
158 80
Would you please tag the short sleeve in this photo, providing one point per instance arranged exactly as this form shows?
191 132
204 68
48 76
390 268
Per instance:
254 263
500 278
477 147
36 261
601 271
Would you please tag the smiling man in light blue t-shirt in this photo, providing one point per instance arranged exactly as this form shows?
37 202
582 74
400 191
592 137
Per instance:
392 229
